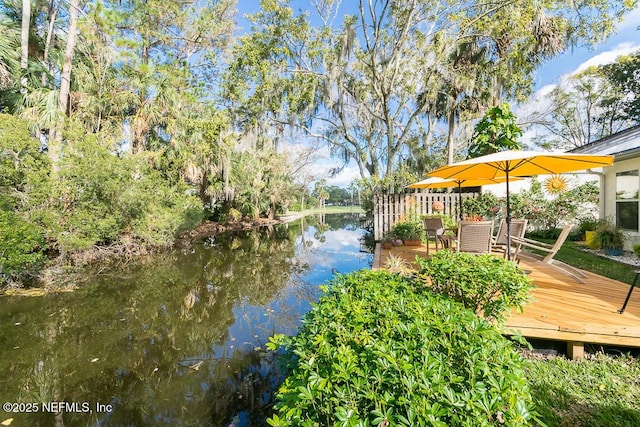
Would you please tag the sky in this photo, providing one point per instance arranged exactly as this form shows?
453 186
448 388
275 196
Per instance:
625 41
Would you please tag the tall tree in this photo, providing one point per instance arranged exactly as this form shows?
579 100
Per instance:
55 137
9 55
624 76
496 131
580 109
364 86
169 51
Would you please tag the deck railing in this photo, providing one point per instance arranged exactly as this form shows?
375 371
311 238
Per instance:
391 208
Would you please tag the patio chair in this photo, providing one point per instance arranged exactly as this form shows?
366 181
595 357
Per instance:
433 227
499 241
549 251
474 237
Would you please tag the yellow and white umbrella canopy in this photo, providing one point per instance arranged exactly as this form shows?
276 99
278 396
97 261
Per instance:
520 163
506 164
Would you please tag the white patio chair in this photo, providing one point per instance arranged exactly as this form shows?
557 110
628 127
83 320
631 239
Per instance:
549 251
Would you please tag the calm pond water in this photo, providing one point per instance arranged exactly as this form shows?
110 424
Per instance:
173 339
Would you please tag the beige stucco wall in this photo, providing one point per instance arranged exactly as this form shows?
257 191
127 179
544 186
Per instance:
608 211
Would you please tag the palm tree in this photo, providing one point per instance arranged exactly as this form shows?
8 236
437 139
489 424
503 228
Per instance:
9 57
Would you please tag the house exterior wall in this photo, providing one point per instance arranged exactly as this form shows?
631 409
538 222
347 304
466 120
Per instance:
608 211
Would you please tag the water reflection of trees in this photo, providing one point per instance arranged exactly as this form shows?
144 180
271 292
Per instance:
145 337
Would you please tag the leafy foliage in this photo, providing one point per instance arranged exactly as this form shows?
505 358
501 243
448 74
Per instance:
22 166
608 236
379 349
546 213
486 284
486 206
623 75
22 246
408 230
124 198
496 131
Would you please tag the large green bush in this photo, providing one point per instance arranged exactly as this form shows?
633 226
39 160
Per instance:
379 349
83 205
22 246
484 283
22 166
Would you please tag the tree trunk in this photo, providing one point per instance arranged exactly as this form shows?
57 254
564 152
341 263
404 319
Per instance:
55 140
53 12
452 128
24 44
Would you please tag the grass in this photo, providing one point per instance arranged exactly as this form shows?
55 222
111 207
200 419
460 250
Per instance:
599 391
572 254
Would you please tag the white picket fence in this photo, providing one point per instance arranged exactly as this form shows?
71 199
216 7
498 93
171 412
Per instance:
391 208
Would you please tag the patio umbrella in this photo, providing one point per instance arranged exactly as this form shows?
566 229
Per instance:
436 182
519 163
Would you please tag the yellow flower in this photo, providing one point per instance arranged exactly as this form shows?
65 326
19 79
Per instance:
555 184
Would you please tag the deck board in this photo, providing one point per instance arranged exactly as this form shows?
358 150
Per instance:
561 308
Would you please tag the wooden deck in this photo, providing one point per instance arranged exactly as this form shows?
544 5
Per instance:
563 309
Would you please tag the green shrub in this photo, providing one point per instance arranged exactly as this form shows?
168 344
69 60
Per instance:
22 246
545 233
486 206
408 230
374 351
123 196
608 236
636 249
485 284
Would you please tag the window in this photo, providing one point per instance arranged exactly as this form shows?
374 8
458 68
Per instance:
627 199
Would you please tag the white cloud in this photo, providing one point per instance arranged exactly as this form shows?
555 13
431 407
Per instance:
608 57
345 177
630 20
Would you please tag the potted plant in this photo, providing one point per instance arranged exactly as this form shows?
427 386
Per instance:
610 239
410 232
387 241
588 227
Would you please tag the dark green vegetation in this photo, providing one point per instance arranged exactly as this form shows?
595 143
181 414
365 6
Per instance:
599 391
407 230
123 201
383 349
486 284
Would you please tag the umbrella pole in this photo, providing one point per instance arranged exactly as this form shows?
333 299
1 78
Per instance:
508 216
460 199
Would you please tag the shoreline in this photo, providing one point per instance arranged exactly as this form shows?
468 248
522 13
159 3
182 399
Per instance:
62 274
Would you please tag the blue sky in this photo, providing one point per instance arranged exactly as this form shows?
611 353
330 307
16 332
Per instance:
626 40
